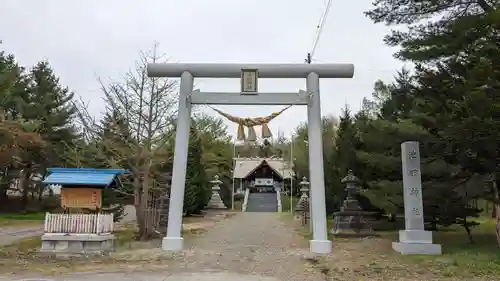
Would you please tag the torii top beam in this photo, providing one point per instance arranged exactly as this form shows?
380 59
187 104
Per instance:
265 70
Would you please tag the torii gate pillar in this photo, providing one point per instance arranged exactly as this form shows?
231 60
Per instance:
312 72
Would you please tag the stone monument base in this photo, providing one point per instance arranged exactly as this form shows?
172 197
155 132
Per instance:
61 244
416 242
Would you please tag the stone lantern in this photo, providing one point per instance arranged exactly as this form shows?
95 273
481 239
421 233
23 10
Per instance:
352 188
351 220
303 208
216 201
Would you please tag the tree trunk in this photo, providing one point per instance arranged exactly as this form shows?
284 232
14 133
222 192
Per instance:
3 194
41 189
24 181
497 207
496 200
467 229
147 210
139 212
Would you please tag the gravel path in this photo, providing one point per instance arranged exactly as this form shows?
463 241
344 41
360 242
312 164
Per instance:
246 247
11 234
251 243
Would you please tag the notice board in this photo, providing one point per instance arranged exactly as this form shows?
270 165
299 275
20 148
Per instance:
85 198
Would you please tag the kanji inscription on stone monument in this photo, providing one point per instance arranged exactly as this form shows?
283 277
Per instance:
412 186
412 154
412 173
414 192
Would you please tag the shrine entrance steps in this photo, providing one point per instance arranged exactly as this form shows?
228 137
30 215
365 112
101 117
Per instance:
262 202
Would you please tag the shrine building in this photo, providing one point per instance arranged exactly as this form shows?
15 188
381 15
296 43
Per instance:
262 174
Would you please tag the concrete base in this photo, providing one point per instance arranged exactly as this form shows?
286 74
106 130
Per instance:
415 236
174 244
417 248
416 242
320 246
77 244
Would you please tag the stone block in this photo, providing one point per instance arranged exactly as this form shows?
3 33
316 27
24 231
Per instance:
415 236
417 248
77 244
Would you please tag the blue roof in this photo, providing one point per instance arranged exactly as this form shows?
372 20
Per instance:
83 176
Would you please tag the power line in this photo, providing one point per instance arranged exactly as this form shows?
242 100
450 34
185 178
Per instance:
319 29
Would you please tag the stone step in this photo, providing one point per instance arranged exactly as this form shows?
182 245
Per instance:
262 202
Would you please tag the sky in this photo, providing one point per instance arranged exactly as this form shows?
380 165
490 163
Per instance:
83 40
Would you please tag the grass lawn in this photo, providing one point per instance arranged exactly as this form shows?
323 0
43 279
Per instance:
463 258
285 202
21 219
374 259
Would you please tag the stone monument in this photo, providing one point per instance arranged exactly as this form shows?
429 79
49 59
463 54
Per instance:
414 239
351 220
215 201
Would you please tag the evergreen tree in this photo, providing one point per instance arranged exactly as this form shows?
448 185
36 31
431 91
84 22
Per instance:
436 29
11 84
382 159
454 96
342 158
48 101
197 190
217 152
346 143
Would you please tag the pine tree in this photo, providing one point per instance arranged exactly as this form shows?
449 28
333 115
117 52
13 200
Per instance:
341 159
382 159
452 96
11 84
48 101
197 191
436 29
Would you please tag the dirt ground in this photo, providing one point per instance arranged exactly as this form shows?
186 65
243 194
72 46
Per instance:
265 244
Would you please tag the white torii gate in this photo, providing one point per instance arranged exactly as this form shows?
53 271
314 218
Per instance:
249 95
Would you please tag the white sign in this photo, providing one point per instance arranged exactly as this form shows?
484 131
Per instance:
249 79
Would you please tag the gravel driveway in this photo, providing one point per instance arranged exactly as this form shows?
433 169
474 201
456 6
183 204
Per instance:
246 247
11 234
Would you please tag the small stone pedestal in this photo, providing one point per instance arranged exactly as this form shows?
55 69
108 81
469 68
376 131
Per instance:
215 201
61 244
414 239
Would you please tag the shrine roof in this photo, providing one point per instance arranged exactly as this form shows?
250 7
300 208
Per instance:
245 166
84 177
